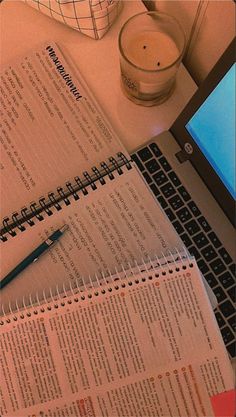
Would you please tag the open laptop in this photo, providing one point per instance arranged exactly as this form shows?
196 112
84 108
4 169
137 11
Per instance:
191 171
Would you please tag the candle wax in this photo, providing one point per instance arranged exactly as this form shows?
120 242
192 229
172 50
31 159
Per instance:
152 50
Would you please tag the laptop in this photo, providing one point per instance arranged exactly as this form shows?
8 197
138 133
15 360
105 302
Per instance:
191 171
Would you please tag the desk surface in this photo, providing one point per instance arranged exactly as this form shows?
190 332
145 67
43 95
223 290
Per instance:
23 27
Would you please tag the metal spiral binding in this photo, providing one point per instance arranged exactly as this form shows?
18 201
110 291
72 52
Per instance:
90 180
42 202
15 219
3 238
63 195
25 217
107 170
135 274
126 161
81 185
9 228
54 201
115 165
36 211
98 176
72 191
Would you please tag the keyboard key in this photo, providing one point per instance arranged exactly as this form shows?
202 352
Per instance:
194 252
179 229
209 253
214 239
226 279
226 257
200 240
204 224
138 163
184 193
162 202
173 177
232 293
233 269
152 166
154 189
155 149
203 266
184 215
227 334
220 294
217 266
221 322
227 308
211 280
147 177
168 190
176 202
186 240
192 227
160 178
194 209
145 154
165 165
171 216
232 322
231 349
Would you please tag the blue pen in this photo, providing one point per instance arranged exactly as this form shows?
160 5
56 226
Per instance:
33 256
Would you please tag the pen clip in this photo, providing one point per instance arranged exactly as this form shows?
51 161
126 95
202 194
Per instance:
50 242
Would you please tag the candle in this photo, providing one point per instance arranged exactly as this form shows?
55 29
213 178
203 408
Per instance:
151 47
151 50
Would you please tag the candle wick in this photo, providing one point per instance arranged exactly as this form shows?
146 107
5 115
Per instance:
158 64
144 47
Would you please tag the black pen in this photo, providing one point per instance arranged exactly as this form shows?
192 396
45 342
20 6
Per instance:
33 256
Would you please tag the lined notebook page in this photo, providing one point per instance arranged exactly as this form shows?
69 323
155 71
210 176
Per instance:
147 345
116 223
52 128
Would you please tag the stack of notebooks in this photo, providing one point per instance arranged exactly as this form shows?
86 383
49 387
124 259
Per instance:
100 325
143 343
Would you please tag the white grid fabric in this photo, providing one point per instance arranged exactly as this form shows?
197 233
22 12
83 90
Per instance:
90 17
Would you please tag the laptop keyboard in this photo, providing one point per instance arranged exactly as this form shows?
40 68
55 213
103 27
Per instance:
196 233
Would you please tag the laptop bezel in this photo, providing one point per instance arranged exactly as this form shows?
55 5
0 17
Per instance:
191 150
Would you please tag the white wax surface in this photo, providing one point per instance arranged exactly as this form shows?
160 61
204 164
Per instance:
151 50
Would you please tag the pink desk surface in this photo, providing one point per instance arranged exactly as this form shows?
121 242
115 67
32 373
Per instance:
23 27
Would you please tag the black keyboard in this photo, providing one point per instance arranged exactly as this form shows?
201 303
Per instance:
196 233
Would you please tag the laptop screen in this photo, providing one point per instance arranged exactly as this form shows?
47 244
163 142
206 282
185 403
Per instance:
212 127
205 132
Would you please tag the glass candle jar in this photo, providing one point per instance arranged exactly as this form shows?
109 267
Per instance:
151 46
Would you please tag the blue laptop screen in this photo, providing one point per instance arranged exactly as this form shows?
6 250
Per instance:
213 129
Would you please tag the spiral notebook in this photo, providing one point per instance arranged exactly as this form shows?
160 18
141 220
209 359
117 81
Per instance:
143 343
62 163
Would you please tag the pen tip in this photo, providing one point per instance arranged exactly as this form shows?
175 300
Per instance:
64 228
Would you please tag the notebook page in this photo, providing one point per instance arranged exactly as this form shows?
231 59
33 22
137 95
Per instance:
112 225
151 348
52 128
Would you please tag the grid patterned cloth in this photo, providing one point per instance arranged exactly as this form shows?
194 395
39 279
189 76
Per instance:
90 17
